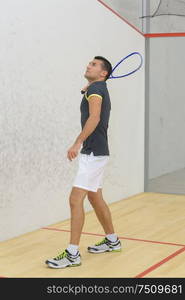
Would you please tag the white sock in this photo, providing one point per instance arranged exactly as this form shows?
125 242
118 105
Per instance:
72 249
112 237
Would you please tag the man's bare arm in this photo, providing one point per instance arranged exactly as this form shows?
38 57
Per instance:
90 125
93 120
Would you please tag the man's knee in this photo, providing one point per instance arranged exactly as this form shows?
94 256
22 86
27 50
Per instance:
77 196
94 196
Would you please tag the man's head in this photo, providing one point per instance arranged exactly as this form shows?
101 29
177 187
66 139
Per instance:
98 69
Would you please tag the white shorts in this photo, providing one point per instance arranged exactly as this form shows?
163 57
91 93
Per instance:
90 171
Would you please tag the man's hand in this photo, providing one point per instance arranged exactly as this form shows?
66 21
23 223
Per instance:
73 151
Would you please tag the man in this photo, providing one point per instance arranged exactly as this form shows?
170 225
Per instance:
93 157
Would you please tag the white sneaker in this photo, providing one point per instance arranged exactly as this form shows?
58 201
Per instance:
64 259
105 246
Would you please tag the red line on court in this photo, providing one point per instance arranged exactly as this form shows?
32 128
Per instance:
157 265
174 34
114 12
120 237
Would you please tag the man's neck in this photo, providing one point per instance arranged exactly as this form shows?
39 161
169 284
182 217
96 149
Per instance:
91 81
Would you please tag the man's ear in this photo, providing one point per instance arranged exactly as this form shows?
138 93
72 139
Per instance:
104 73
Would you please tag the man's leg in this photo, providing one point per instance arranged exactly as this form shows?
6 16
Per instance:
76 200
111 241
102 210
70 257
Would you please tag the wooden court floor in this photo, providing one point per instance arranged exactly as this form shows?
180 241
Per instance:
151 227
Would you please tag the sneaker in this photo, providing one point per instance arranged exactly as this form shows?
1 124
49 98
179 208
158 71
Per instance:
105 246
63 260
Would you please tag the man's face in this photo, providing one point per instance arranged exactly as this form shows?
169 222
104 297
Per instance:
94 71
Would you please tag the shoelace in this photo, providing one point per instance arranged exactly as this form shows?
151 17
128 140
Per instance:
61 255
101 242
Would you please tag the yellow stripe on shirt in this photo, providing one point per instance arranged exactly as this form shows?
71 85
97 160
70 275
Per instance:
86 96
94 95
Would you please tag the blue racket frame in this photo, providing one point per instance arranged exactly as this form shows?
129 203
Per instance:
121 76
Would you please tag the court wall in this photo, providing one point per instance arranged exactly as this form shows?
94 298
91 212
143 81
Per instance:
45 48
166 106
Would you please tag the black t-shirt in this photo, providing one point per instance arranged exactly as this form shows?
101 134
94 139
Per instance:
97 142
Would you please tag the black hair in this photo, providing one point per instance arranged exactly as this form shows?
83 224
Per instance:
106 65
